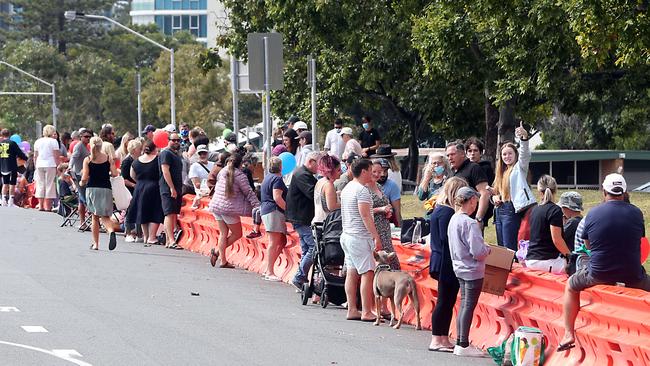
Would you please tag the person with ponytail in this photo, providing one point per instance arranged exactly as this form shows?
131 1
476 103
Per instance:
233 197
97 170
547 250
512 195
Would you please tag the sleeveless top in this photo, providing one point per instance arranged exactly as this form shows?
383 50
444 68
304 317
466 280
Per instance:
100 175
320 205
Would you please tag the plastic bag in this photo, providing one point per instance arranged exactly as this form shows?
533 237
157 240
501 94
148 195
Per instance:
121 194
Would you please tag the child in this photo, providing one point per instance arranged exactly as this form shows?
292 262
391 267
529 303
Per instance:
468 252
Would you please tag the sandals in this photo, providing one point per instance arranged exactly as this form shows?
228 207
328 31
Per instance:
112 241
214 255
175 246
93 247
566 346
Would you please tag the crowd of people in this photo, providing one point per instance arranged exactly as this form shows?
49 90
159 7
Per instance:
361 178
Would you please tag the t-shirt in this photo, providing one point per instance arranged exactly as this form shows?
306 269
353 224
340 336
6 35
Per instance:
9 151
175 168
369 138
343 181
472 173
125 170
578 241
353 194
197 170
614 230
352 146
271 182
334 143
541 245
46 146
569 232
79 153
391 190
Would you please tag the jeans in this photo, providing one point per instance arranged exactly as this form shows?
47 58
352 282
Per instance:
469 294
307 247
507 223
441 316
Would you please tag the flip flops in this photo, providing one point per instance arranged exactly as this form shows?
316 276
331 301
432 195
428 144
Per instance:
214 255
112 241
444 349
566 346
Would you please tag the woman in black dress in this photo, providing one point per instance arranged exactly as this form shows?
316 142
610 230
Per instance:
146 207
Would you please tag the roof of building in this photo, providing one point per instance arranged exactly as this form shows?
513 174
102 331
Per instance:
582 155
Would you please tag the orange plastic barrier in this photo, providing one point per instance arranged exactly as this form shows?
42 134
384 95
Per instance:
613 326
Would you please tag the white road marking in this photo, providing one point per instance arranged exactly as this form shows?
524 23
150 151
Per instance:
7 309
65 355
34 329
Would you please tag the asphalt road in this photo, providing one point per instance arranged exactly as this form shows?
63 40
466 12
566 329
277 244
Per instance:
63 304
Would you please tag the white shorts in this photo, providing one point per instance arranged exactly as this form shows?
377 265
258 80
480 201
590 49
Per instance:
358 253
228 219
555 266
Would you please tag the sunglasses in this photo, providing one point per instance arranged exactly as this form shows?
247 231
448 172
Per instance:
86 136
175 140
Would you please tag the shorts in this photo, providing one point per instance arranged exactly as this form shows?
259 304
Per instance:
45 183
358 253
582 280
228 219
171 206
99 201
275 222
10 178
555 266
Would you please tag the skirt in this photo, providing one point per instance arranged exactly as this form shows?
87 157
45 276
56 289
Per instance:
275 222
99 201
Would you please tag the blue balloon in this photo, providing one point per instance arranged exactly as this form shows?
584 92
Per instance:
288 162
16 138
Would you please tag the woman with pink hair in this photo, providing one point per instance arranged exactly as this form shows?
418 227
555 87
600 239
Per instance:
325 195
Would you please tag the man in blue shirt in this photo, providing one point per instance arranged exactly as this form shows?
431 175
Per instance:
391 190
613 231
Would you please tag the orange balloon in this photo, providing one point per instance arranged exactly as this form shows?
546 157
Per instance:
160 138
645 249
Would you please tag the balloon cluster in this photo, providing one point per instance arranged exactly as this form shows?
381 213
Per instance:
24 145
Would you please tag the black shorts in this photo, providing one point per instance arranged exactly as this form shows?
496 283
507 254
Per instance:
10 178
171 205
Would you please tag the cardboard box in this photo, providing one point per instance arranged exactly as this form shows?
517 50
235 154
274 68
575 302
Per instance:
497 269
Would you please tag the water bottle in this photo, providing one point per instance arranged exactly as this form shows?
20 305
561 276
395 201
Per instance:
417 233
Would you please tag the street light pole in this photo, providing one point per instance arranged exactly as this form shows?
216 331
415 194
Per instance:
72 15
51 85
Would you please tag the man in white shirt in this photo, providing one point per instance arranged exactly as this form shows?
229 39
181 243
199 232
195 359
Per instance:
334 144
199 173
351 145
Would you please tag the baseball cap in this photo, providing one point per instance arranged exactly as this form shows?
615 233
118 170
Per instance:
352 157
304 135
466 193
149 128
293 119
300 125
615 184
383 162
231 137
346 131
279 149
571 200
170 128
202 148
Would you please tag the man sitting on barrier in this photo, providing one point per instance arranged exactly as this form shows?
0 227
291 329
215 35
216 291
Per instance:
613 231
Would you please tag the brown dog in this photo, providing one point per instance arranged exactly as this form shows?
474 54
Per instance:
395 285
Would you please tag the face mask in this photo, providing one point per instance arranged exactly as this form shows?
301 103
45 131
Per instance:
439 170
185 133
344 168
338 130
365 126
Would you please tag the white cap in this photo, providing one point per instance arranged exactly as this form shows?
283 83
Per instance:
346 131
202 148
615 184
300 125
170 128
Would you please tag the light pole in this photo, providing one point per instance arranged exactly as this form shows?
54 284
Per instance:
72 15
51 85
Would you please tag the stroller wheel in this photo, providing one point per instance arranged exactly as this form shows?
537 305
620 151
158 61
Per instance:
306 293
323 299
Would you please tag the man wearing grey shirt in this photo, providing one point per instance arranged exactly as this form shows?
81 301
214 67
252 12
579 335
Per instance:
79 153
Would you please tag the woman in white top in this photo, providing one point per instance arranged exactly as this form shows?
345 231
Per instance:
325 199
46 157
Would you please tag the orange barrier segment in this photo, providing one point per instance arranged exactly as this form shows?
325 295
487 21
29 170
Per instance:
613 326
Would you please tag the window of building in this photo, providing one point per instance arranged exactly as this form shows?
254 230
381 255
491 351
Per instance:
194 25
176 24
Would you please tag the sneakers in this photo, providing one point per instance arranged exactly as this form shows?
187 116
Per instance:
297 284
272 278
139 240
253 235
468 351
129 239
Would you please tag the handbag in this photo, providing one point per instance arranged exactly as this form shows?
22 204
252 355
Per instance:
121 194
408 225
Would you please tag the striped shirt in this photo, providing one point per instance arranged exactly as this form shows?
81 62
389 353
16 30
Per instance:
353 194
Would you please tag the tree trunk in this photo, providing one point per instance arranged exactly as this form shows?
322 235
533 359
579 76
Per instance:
506 123
491 128
61 42
414 152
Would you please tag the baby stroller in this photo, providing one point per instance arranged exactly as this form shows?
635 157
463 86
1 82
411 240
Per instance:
327 276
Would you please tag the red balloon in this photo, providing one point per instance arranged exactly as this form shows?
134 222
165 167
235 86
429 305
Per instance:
160 138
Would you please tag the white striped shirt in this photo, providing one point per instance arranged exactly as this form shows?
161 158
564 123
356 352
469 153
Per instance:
353 194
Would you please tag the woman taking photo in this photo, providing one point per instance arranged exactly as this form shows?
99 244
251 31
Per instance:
512 196
433 176
233 197
440 266
96 177
547 250
274 194
382 212
146 206
46 156
325 199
